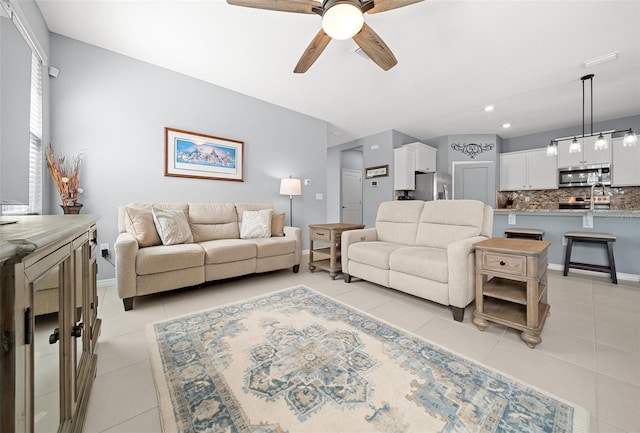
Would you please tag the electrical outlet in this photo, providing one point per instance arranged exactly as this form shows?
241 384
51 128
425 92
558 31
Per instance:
587 220
104 250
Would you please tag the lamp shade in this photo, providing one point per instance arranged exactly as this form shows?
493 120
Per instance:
290 186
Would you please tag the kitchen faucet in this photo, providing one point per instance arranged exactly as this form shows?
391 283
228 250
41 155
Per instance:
593 200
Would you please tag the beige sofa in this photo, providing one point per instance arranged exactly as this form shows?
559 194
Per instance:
216 251
421 248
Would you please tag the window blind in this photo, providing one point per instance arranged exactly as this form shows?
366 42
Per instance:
36 161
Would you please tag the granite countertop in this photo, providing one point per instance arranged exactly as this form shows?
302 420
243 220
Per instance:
37 231
572 212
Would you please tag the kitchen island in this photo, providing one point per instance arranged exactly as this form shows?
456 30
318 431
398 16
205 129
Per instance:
624 224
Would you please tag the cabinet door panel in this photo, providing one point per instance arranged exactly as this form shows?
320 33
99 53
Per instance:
567 159
404 169
593 156
626 161
513 171
542 170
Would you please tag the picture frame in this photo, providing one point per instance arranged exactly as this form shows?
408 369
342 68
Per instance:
377 171
201 156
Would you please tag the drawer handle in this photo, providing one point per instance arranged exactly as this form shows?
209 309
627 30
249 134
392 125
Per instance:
502 263
320 234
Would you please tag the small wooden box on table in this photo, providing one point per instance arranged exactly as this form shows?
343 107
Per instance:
511 285
327 257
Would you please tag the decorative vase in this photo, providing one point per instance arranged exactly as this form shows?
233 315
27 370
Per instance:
72 209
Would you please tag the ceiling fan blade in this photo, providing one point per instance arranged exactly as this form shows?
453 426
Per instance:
298 6
313 51
386 5
375 48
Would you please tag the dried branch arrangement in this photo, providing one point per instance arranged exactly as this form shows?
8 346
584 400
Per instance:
65 175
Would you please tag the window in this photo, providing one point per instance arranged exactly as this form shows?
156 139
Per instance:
35 145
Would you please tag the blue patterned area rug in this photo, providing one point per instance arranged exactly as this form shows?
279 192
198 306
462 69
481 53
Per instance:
297 361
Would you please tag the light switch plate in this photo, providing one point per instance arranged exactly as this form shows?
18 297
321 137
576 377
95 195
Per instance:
512 218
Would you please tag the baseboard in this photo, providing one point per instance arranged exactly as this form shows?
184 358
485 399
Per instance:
621 275
106 282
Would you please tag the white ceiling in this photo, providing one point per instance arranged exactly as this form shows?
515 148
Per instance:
454 57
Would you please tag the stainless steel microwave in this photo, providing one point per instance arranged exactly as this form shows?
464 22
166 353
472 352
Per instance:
584 176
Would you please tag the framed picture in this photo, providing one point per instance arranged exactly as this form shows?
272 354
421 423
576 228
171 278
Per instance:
189 154
378 171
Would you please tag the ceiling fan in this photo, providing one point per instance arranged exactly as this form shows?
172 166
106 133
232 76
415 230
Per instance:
341 19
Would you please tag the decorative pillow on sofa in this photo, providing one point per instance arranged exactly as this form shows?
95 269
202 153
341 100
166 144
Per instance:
172 226
139 222
256 224
277 224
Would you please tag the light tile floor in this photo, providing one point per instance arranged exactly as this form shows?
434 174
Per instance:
589 355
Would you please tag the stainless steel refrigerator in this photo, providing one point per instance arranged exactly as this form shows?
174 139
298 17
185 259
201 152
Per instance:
433 186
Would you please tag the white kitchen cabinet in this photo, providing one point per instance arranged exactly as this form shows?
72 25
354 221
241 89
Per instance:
527 170
404 163
588 154
625 166
425 157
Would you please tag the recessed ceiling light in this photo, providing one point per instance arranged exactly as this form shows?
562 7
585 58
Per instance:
506 125
489 108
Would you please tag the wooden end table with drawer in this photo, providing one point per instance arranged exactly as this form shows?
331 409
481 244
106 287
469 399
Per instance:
327 257
511 286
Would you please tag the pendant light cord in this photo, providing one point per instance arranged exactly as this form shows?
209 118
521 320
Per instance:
591 81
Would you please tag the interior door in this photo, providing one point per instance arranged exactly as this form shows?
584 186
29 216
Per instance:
351 197
475 181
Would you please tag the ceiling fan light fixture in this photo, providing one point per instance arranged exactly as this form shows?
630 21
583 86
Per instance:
342 20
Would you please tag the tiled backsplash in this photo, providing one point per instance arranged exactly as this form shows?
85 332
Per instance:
622 198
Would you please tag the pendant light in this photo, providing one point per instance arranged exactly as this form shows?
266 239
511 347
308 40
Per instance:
552 148
630 139
575 145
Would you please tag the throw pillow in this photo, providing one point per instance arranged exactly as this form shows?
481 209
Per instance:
172 226
139 222
277 224
256 224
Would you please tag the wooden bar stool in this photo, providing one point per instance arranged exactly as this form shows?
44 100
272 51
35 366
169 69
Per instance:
524 233
596 238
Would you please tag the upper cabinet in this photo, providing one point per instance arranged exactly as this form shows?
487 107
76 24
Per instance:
626 161
587 155
425 157
531 169
407 160
404 162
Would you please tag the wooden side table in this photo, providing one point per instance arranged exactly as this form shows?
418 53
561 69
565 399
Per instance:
327 257
511 286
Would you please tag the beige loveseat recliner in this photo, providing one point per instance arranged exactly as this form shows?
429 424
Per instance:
421 248
217 251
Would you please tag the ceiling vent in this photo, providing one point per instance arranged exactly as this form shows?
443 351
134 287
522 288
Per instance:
602 59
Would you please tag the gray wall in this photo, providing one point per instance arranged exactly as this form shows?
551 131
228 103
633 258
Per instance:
113 109
536 141
377 149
